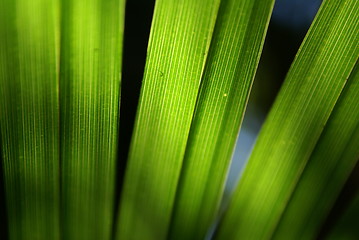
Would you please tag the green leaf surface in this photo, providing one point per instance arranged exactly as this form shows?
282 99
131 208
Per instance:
29 116
230 67
295 123
179 40
347 226
328 169
91 52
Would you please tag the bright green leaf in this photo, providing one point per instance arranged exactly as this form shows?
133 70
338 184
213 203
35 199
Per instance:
29 116
328 169
295 123
91 52
180 35
232 61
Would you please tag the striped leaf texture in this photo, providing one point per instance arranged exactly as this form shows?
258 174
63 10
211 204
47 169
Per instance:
91 52
179 40
295 123
226 82
330 165
29 116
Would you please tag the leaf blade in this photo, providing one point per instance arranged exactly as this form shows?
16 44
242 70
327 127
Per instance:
328 168
91 53
29 77
178 45
233 58
346 227
295 123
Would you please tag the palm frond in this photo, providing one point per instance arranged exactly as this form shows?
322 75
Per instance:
295 123
180 36
91 52
328 168
226 82
29 116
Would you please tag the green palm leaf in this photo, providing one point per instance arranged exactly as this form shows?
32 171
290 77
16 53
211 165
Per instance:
60 83
29 116
91 51
230 67
331 163
312 87
180 35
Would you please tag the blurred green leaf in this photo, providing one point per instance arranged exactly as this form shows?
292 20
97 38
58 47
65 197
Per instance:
347 226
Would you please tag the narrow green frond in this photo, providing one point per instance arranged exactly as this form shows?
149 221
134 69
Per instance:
91 52
295 123
180 35
328 168
232 61
29 116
